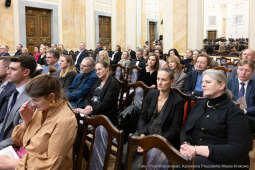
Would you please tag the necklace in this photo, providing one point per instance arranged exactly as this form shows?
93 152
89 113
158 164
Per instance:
211 107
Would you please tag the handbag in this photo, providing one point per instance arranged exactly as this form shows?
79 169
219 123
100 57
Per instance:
128 118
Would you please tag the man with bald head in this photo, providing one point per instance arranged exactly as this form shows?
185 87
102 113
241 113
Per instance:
248 54
82 54
4 50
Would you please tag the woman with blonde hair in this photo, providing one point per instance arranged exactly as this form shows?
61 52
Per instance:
104 56
68 71
174 64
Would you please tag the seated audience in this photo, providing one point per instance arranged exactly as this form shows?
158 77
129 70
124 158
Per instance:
146 54
4 50
247 54
162 112
48 133
20 70
159 54
52 57
193 82
6 87
18 48
103 97
174 52
131 52
195 55
103 56
116 56
24 51
243 90
174 64
82 83
125 59
139 60
36 53
216 131
68 71
188 61
81 55
42 58
148 75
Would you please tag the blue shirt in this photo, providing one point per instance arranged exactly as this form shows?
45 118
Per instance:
198 86
56 74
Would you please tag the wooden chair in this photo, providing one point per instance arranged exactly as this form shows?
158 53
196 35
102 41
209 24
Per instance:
189 103
80 123
119 71
173 156
224 69
223 60
136 91
123 90
132 73
89 127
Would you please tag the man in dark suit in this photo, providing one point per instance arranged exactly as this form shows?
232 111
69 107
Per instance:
6 88
116 56
82 83
243 86
131 52
247 54
193 82
139 61
4 50
82 54
20 70
19 50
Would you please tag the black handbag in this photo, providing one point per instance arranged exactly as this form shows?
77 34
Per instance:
128 118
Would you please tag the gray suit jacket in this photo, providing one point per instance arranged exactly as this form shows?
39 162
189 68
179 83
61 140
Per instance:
179 79
13 118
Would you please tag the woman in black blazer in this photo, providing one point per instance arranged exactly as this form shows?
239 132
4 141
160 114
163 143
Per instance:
68 71
148 75
103 98
162 110
216 131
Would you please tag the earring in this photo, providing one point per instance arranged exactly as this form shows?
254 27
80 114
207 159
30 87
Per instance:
53 103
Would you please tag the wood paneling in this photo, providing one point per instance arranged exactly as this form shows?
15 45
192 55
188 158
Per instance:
105 31
38 27
152 28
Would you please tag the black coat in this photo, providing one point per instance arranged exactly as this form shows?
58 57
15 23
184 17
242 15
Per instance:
116 57
108 99
81 57
190 83
171 119
222 128
4 98
19 52
141 64
67 80
147 78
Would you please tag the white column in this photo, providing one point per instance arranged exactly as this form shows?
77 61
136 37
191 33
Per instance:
168 29
114 23
90 24
60 21
195 24
131 23
252 24
139 23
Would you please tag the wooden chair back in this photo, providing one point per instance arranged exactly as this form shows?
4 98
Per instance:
173 156
223 60
136 92
119 71
188 103
132 73
113 135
